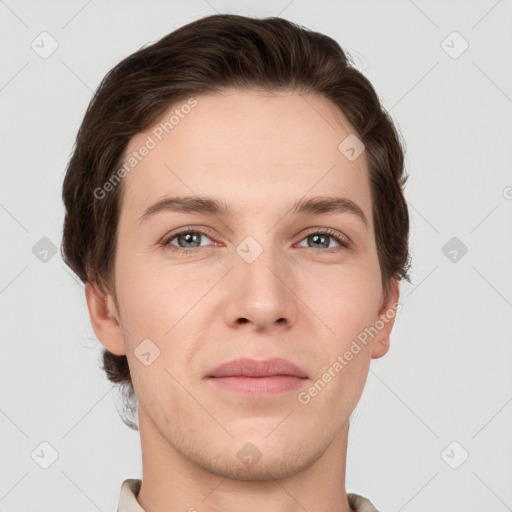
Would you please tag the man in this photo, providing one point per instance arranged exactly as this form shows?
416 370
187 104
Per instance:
234 206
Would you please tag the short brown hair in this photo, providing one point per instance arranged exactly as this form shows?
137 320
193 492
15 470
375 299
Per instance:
209 55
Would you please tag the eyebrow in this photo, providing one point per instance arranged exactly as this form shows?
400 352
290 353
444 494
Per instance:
206 205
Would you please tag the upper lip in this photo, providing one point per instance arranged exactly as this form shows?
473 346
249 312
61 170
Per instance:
246 367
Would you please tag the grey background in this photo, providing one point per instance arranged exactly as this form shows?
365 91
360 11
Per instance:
447 377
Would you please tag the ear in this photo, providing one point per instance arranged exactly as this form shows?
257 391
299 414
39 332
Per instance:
386 320
105 318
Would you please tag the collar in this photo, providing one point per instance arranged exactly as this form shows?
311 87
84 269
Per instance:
131 487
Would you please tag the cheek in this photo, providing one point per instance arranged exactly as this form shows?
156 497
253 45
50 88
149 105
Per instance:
167 306
159 322
346 355
153 297
346 299
348 306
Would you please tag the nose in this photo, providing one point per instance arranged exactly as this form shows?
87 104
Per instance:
259 294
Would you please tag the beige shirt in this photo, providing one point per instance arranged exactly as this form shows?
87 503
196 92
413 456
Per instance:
130 488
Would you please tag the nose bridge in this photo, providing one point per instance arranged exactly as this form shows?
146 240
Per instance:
260 294
259 263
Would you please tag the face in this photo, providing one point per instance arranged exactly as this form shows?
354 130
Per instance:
264 278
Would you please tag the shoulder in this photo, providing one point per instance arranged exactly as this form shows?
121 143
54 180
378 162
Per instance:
128 496
360 503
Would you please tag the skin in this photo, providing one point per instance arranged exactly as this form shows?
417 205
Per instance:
259 152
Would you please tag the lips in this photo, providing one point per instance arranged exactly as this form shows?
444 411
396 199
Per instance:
247 367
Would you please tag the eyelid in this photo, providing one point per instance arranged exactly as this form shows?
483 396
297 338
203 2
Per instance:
185 229
331 232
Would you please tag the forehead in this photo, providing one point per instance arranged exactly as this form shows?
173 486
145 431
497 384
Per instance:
245 147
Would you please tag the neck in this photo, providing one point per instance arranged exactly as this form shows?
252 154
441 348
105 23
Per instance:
172 481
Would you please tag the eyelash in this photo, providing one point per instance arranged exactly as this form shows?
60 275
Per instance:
342 240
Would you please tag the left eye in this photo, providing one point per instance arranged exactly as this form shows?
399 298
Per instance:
320 238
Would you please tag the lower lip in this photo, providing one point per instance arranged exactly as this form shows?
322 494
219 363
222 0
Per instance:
261 386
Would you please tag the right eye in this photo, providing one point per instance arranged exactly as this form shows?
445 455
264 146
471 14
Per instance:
184 238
